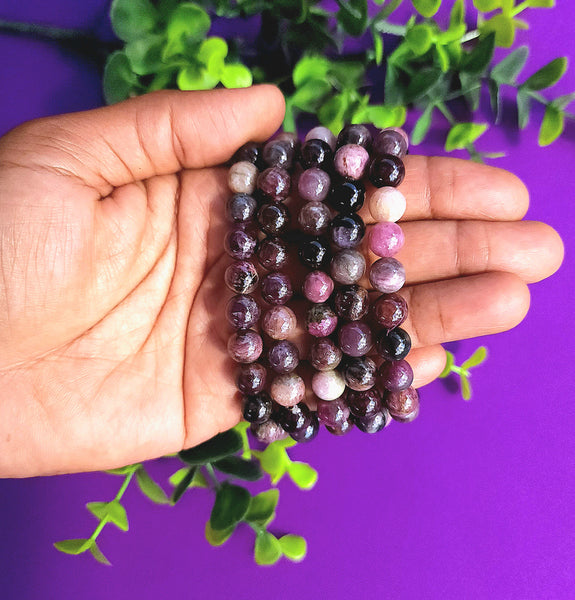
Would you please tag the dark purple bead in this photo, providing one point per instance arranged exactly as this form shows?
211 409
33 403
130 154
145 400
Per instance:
342 429
347 197
274 183
278 153
403 406
245 346
354 134
240 244
242 311
314 218
333 412
394 344
347 231
316 153
250 152
373 423
283 357
241 208
355 338
257 408
251 378
386 170
389 310
241 277
351 302
309 431
272 253
395 375
314 253
320 320
389 141
364 404
273 218
292 418
359 373
324 354
276 288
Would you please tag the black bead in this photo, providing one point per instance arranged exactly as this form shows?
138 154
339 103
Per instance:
316 153
314 253
250 152
347 231
394 344
273 218
292 418
347 197
257 408
355 134
386 170
309 431
373 423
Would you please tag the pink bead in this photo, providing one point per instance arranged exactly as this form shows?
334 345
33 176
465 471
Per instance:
351 160
313 184
317 286
387 204
386 239
288 390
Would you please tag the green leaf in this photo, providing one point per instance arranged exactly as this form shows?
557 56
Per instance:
523 108
352 16
232 503
463 134
309 96
476 358
98 555
124 470
547 76
262 507
384 116
495 99
426 8
240 468
377 48
508 69
119 79
293 547
217 537
457 15
150 488
486 5
212 53
132 18
331 115
145 54
503 27
471 89
308 67
552 125
450 361
442 58
236 76
223 444
422 126
347 74
422 83
196 78
75 546
479 58
112 511
183 482
267 549
563 101
419 38
302 474
387 10
274 461
189 22
541 3
465 388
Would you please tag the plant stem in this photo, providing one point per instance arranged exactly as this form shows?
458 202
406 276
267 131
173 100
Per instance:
391 28
212 475
446 112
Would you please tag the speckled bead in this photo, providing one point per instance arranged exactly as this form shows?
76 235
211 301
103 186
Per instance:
386 239
278 153
242 177
279 322
347 231
355 134
360 373
273 218
317 286
355 338
351 161
320 321
351 302
395 375
328 385
240 244
347 266
324 354
272 253
283 357
373 423
241 209
387 275
274 183
403 406
389 310
387 204
314 218
391 141
313 184
293 418
251 378
333 413
288 389
268 432
257 408
364 404
242 311
309 431
323 134
241 277
276 288
245 346
386 170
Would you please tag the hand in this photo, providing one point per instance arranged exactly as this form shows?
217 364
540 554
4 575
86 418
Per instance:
112 337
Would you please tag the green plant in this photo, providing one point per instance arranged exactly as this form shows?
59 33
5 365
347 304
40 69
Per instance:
463 371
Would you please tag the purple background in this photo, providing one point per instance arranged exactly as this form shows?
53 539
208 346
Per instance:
473 500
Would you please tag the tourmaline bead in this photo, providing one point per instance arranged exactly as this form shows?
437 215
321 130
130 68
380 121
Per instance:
314 218
387 275
322 133
347 197
272 253
250 151
283 357
347 266
288 389
328 385
320 320
309 431
351 302
278 153
316 153
274 183
351 161
360 373
387 204
364 404
257 408
314 253
373 423
386 170
251 378
324 354
279 322
240 244
241 208
245 346
347 231
390 141
242 177
317 286
355 338
386 239
354 134
276 288
333 413
394 344
268 432
273 218
342 429
293 418
395 375
291 138
241 277
389 310
242 312
403 406
313 184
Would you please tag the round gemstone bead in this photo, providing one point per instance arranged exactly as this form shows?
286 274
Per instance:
245 346
274 183
276 288
347 197
288 389
351 161
279 322
240 244
250 152
257 408
347 231
291 138
309 431
313 184
242 311
387 275
242 177
283 357
333 413
386 239
364 404
320 320
323 134
324 354
387 204
360 373
328 385
317 286
351 302
373 423
241 208
355 134
386 170
389 310
316 153
279 153
394 344
241 277
314 253
390 141
293 418
251 378
273 218
355 338
347 266
314 218
342 429
403 406
268 432
272 253
395 375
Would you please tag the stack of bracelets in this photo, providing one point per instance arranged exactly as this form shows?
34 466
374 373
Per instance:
344 322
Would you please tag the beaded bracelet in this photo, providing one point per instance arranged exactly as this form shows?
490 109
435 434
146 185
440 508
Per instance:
343 321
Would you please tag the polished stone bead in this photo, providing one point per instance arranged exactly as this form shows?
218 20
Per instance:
245 346
289 137
328 385
390 141
278 153
316 153
293 418
313 184
351 161
403 406
347 197
272 253
386 239
364 404
309 431
241 208
373 423
324 354
387 204
273 218
242 312
355 134
322 133
355 338
240 244
274 183
279 322
342 429
394 344
317 286
283 357
314 218
386 170
359 373
395 375
389 310
288 389
241 277
347 231
251 378
320 320
351 302
387 275
242 177
347 266
314 253
251 151
276 288
268 432
333 413
257 408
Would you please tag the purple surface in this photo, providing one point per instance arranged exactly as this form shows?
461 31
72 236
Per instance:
473 500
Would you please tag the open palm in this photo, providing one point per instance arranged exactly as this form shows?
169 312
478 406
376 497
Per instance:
112 337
